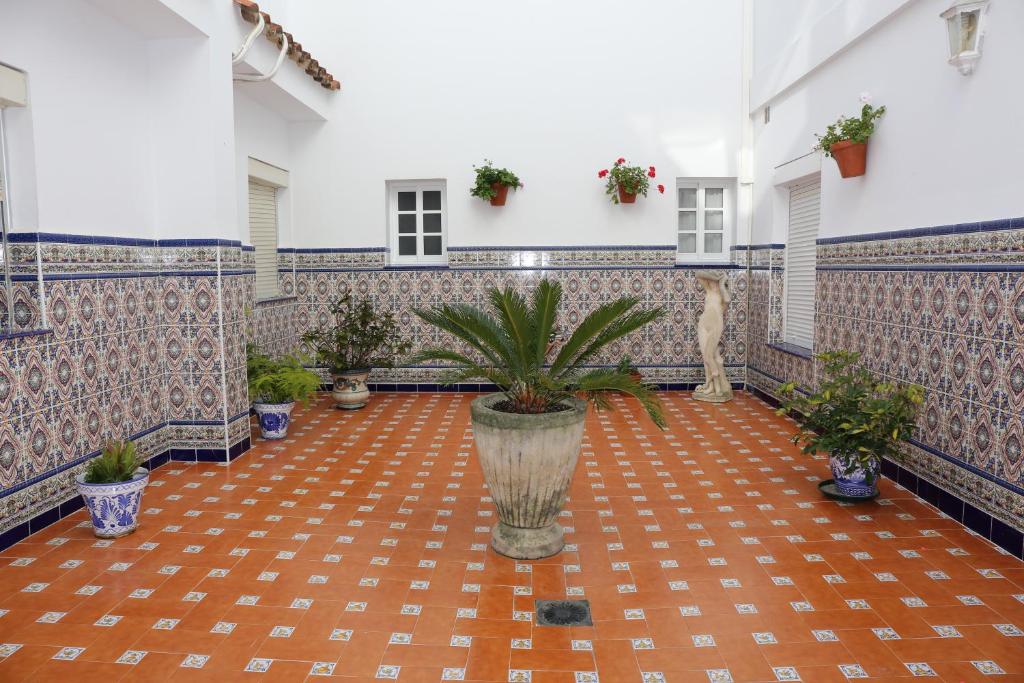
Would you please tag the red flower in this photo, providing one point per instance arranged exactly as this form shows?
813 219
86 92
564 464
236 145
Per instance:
602 173
651 172
661 189
620 160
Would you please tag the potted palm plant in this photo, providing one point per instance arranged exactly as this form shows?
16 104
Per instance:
112 487
846 140
528 434
626 182
854 418
493 183
274 388
360 340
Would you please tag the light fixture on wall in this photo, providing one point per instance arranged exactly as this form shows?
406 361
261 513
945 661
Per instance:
964 24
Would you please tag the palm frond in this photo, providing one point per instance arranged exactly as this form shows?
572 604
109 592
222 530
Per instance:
624 325
514 317
596 383
546 298
468 368
472 326
592 326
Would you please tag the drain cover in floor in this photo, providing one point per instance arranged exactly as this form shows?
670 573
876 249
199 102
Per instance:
563 613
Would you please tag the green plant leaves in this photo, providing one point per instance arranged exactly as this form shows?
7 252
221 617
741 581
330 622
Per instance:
359 338
117 462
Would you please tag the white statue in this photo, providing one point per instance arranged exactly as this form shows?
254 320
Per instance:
716 387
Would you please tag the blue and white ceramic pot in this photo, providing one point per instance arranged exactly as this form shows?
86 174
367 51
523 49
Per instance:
350 391
854 478
274 418
114 508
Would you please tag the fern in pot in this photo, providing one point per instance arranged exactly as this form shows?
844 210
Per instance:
528 434
274 388
112 486
360 339
855 418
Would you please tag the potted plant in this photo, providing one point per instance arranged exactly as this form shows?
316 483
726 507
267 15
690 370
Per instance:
493 183
626 182
360 340
854 418
528 434
846 140
111 487
274 387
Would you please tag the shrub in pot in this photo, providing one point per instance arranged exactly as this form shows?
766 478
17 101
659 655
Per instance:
112 486
846 140
626 182
360 339
274 388
528 435
492 183
855 418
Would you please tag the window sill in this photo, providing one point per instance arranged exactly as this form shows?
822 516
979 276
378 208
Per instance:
725 263
269 301
793 350
440 265
6 334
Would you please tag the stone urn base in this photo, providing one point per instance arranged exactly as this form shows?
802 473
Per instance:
712 396
528 462
350 391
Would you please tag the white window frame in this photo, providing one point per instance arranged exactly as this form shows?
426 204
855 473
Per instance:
807 269
419 187
728 186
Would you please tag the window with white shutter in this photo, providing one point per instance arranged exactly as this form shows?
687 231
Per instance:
263 236
801 248
418 217
704 210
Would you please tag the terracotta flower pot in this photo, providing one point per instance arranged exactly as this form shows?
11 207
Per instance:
626 197
851 157
502 191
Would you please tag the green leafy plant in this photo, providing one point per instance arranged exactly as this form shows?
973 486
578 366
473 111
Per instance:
278 381
116 463
487 176
513 349
361 338
632 179
852 415
857 129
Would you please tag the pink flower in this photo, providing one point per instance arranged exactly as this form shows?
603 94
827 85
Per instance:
602 173
661 189
651 172
620 160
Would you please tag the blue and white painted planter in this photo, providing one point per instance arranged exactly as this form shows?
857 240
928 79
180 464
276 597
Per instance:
852 478
274 418
114 508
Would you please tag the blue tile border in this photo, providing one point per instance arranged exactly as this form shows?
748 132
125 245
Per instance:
929 267
332 250
21 334
603 247
100 240
933 231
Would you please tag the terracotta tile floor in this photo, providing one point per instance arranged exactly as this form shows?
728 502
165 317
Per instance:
359 547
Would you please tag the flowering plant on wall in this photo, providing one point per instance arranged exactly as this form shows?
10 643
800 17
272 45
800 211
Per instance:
626 182
493 183
846 140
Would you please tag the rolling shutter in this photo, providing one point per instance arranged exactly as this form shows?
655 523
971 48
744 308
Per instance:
801 247
263 235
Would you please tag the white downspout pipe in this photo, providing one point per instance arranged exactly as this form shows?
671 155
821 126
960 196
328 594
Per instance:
277 65
243 49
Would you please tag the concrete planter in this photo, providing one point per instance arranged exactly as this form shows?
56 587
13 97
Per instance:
350 391
528 462
114 508
274 419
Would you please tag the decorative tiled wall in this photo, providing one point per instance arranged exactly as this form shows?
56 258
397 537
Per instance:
666 351
942 307
138 339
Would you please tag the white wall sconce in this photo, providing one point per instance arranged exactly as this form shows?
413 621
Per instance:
964 23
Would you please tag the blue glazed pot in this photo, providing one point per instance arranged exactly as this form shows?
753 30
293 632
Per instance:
852 478
274 419
114 508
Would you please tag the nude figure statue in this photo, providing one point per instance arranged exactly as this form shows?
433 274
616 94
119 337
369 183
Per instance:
716 387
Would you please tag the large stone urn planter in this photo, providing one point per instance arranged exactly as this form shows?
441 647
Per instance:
350 391
528 462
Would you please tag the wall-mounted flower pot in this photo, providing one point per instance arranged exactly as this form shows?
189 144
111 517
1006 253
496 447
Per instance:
499 199
851 157
626 197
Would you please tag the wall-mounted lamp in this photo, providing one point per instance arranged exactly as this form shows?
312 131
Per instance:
964 23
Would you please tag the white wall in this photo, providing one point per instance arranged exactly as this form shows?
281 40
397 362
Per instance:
554 91
945 152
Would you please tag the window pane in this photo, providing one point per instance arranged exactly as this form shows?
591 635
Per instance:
712 220
407 246
431 222
406 201
432 245
712 243
687 243
687 220
714 197
432 200
687 198
406 222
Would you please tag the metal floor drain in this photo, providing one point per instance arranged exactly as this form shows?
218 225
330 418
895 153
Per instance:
563 613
